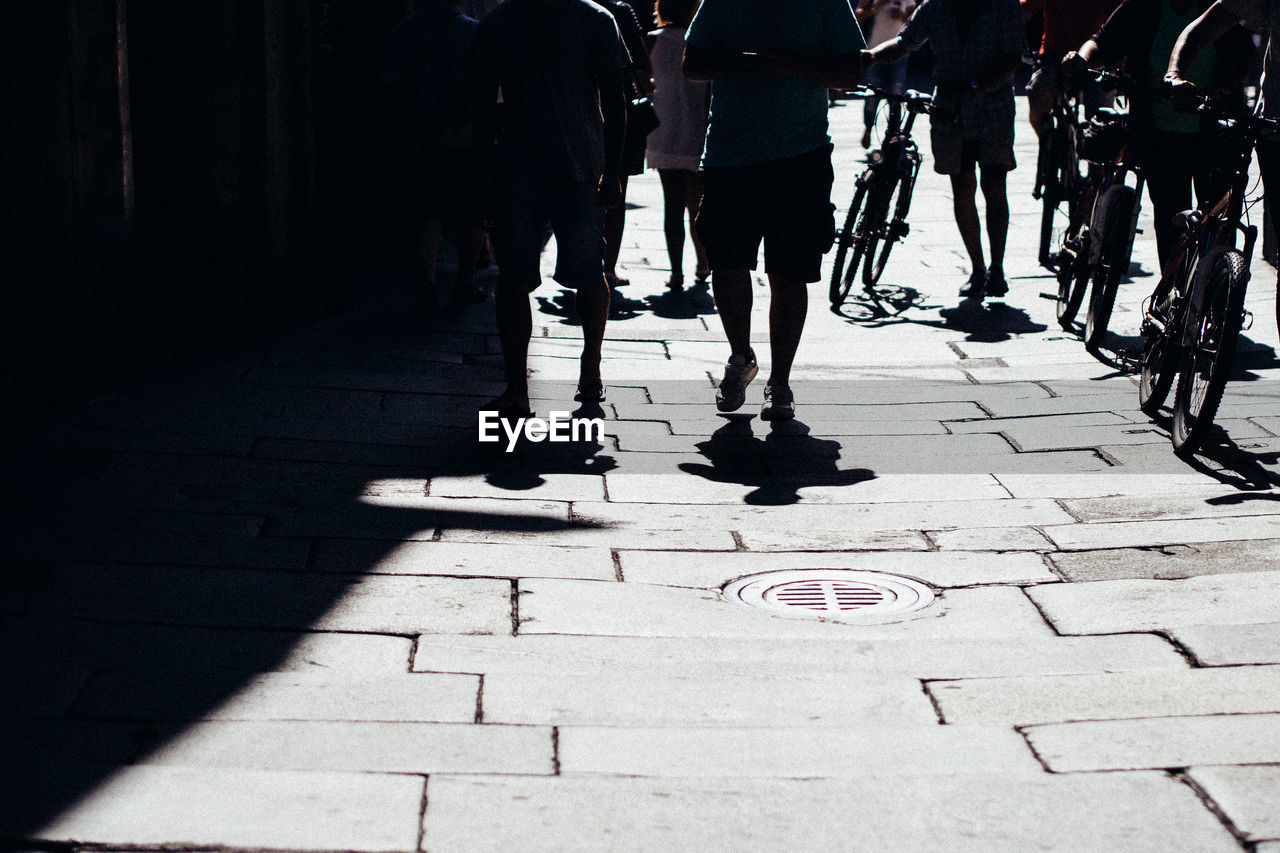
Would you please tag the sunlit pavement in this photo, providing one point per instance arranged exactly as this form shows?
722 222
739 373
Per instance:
284 599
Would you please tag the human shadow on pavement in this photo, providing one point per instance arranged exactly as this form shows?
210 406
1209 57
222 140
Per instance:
778 466
562 305
686 304
989 322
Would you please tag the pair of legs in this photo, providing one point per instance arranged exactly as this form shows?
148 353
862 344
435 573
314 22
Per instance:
450 177
531 202
964 190
681 195
469 240
786 204
788 308
1174 164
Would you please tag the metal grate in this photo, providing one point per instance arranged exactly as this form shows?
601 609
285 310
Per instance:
841 595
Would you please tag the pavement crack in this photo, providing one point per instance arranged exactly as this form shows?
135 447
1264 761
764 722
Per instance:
1182 775
555 750
480 700
933 700
617 564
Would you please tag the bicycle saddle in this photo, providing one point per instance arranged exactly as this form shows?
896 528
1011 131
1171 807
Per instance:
1188 220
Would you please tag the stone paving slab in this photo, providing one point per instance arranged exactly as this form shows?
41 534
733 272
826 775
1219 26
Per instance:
1117 482
464 560
1231 645
1136 534
201 807
1156 507
251 599
990 539
714 570
1108 607
624 700
1161 742
745 753
1109 696
103 646
597 535
783 657
879 516
398 517
982 813
1169 561
894 488
1067 423
1248 795
306 695
644 610
366 747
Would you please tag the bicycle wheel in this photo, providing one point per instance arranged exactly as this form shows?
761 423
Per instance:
899 201
1116 233
1048 175
873 224
1207 361
842 276
1159 364
1073 276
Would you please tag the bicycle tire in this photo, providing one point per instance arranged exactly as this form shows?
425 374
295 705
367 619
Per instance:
1048 175
1161 348
842 277
1206 365
1073 277
873 224
1115 234
899 201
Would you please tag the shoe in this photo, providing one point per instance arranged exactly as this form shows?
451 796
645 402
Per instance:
701 277
996 285
508 408
866 138
738 374
975 286
675 283
589 393
614 281
779 403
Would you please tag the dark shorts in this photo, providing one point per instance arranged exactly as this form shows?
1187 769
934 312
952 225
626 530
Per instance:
785 203
529 203
953 154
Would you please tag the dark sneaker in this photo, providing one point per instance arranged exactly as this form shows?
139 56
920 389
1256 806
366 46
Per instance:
779 403
996 285
738 374
975 286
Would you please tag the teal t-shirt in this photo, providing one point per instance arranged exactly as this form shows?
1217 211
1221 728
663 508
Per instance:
1163 115
757 119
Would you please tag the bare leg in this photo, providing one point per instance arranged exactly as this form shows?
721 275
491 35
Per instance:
674 201
515 325
692 201
615 219
470 241
1039 102
995 194
788 307
593 313
964 188
732 291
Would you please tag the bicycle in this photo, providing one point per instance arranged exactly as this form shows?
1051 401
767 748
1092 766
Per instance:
885 185
1194 316
1098 241
1058 175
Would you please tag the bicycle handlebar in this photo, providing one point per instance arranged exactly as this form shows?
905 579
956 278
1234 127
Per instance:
915 101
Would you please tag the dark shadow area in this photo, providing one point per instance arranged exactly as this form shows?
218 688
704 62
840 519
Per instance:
881 306
687 304
778 466
165 545
989 322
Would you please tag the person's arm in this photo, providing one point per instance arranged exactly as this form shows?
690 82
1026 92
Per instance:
1199 34
832 72
613 106
888 52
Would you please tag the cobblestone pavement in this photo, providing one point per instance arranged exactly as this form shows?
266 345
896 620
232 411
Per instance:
282 599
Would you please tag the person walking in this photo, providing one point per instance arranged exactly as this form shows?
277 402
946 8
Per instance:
1067 23
427 63
767 168
1173 148
559 65
978 44
675 147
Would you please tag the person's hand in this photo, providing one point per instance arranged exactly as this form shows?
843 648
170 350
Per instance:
610 192
1073 62
1185 94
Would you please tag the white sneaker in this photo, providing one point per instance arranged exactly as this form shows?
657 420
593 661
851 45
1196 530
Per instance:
738 374
779 403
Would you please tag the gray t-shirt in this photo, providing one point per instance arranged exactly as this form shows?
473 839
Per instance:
1263 16
548 58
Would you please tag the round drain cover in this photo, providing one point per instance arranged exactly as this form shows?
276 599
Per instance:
835 595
